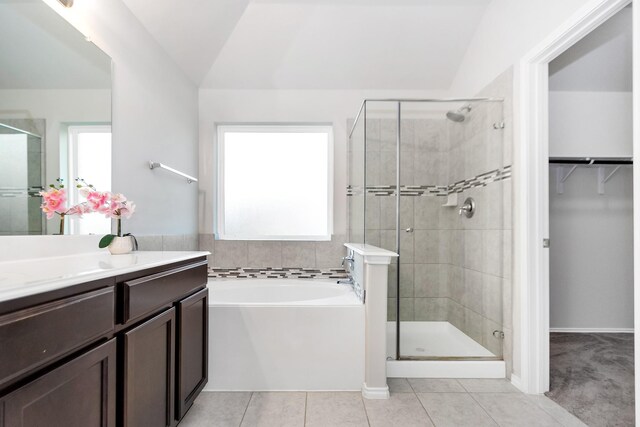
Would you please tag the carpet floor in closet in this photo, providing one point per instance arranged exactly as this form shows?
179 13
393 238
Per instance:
592 377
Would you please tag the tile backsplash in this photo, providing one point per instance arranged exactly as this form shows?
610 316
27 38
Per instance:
168 242
234 254
277 273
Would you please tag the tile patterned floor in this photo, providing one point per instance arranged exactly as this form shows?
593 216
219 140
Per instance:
413 402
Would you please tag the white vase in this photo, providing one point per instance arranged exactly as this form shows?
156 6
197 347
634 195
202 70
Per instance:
121 245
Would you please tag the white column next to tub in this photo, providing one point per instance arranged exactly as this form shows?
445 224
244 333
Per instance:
369 269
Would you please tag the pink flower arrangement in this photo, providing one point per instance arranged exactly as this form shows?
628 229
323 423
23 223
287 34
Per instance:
111 205
54 201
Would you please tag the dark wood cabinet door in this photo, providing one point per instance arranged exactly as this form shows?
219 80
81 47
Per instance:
80 393
192 346
148 370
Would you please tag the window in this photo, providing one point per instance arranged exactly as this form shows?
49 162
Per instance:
89 159
275 182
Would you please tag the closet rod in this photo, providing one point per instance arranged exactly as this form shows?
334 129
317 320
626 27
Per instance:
590 161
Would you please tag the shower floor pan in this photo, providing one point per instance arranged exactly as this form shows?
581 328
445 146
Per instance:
453 354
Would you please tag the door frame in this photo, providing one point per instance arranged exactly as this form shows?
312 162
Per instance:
531 183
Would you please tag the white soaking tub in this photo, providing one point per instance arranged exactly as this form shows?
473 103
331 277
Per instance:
284 334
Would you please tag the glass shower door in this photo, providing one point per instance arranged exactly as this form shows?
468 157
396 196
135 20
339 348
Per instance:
414 163
356 178
422 281
451 266
21 178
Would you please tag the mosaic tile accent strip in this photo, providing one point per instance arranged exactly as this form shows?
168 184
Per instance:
481 180
277 273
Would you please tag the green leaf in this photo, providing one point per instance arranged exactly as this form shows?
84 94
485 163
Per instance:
106 240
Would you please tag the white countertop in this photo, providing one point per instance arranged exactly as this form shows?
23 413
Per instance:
370 250
37 275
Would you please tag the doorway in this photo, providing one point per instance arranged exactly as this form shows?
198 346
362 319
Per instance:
591 225
532 199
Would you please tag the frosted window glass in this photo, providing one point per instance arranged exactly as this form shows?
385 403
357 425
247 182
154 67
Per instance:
276 184
93 164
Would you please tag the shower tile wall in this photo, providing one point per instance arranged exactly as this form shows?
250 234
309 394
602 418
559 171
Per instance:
21 168
502 86
475 264
423 162
451 267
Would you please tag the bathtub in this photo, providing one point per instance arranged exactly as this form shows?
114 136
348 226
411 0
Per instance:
284 334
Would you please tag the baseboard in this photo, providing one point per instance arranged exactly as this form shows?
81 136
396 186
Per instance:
375 392
517 382
446 369
593 330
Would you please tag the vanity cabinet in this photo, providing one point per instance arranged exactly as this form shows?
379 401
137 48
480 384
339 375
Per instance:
126 351
79 393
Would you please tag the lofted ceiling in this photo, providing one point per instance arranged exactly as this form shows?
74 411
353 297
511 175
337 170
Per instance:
601 61
314 44
192 32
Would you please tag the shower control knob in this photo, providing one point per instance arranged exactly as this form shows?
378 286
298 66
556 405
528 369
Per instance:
468 208
408 230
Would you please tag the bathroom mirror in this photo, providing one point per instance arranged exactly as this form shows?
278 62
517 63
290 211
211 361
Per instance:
55 117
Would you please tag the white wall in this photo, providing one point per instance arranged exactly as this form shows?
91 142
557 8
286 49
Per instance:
590 124
508 30
591 253
278 106
155 117
56 107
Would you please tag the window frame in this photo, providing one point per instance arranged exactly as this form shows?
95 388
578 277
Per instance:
222 129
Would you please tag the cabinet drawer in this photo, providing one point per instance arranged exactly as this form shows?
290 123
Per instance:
146 294
32 337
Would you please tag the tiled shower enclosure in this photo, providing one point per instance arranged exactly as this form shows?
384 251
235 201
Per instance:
445 291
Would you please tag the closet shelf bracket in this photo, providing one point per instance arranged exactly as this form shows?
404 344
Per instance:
561 177
602 179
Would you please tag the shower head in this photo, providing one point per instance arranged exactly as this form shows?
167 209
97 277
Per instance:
460 114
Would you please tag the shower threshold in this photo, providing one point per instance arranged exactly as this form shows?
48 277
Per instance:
432 349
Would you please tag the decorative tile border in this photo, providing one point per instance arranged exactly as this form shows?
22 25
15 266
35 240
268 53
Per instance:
277 273
481 180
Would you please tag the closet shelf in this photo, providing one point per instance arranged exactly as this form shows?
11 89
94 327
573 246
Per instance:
574 162
591 160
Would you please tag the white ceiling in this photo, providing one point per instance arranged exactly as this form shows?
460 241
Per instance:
314 44
192 32
40 50
602 61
